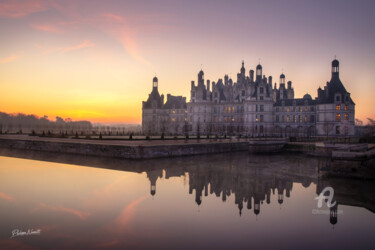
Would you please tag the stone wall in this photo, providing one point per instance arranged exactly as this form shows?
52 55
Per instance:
125 151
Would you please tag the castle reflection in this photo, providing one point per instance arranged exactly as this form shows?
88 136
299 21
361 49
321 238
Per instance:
251 180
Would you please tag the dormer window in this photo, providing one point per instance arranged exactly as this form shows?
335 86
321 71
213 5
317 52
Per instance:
337 98
261 90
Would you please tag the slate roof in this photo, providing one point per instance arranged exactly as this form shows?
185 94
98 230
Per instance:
333 87
175 102
154 96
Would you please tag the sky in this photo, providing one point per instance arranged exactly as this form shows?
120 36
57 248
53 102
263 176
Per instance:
95 60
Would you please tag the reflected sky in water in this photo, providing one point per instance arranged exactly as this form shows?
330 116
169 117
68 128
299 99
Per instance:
219 201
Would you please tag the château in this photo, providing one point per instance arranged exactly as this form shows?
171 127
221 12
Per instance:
252 106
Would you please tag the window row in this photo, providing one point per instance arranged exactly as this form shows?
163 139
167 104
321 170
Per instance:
295 118
295 109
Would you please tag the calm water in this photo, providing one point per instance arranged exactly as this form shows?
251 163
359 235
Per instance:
230 201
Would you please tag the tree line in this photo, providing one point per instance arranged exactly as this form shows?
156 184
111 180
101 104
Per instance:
23 123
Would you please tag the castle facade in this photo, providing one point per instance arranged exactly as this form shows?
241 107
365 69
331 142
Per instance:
251 106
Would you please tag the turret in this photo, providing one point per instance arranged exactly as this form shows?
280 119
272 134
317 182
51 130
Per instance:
155 83
259 73
200 78
335 68
282 79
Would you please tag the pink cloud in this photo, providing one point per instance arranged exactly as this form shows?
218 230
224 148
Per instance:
6 197
113 17
116 228
20 8
126 34
9 58
83 45
47 28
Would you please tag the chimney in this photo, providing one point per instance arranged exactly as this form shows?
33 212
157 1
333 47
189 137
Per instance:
226 80
251 75
270 80
289 84
208 85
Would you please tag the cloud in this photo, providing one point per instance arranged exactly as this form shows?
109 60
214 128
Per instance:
20 8
113 17
47 28
127 214
6 197
131 46
9 58
126 34
83 45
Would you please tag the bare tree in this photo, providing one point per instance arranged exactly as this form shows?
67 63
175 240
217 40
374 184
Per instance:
358 122
371 125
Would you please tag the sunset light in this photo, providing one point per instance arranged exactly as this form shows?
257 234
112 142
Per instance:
95 60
